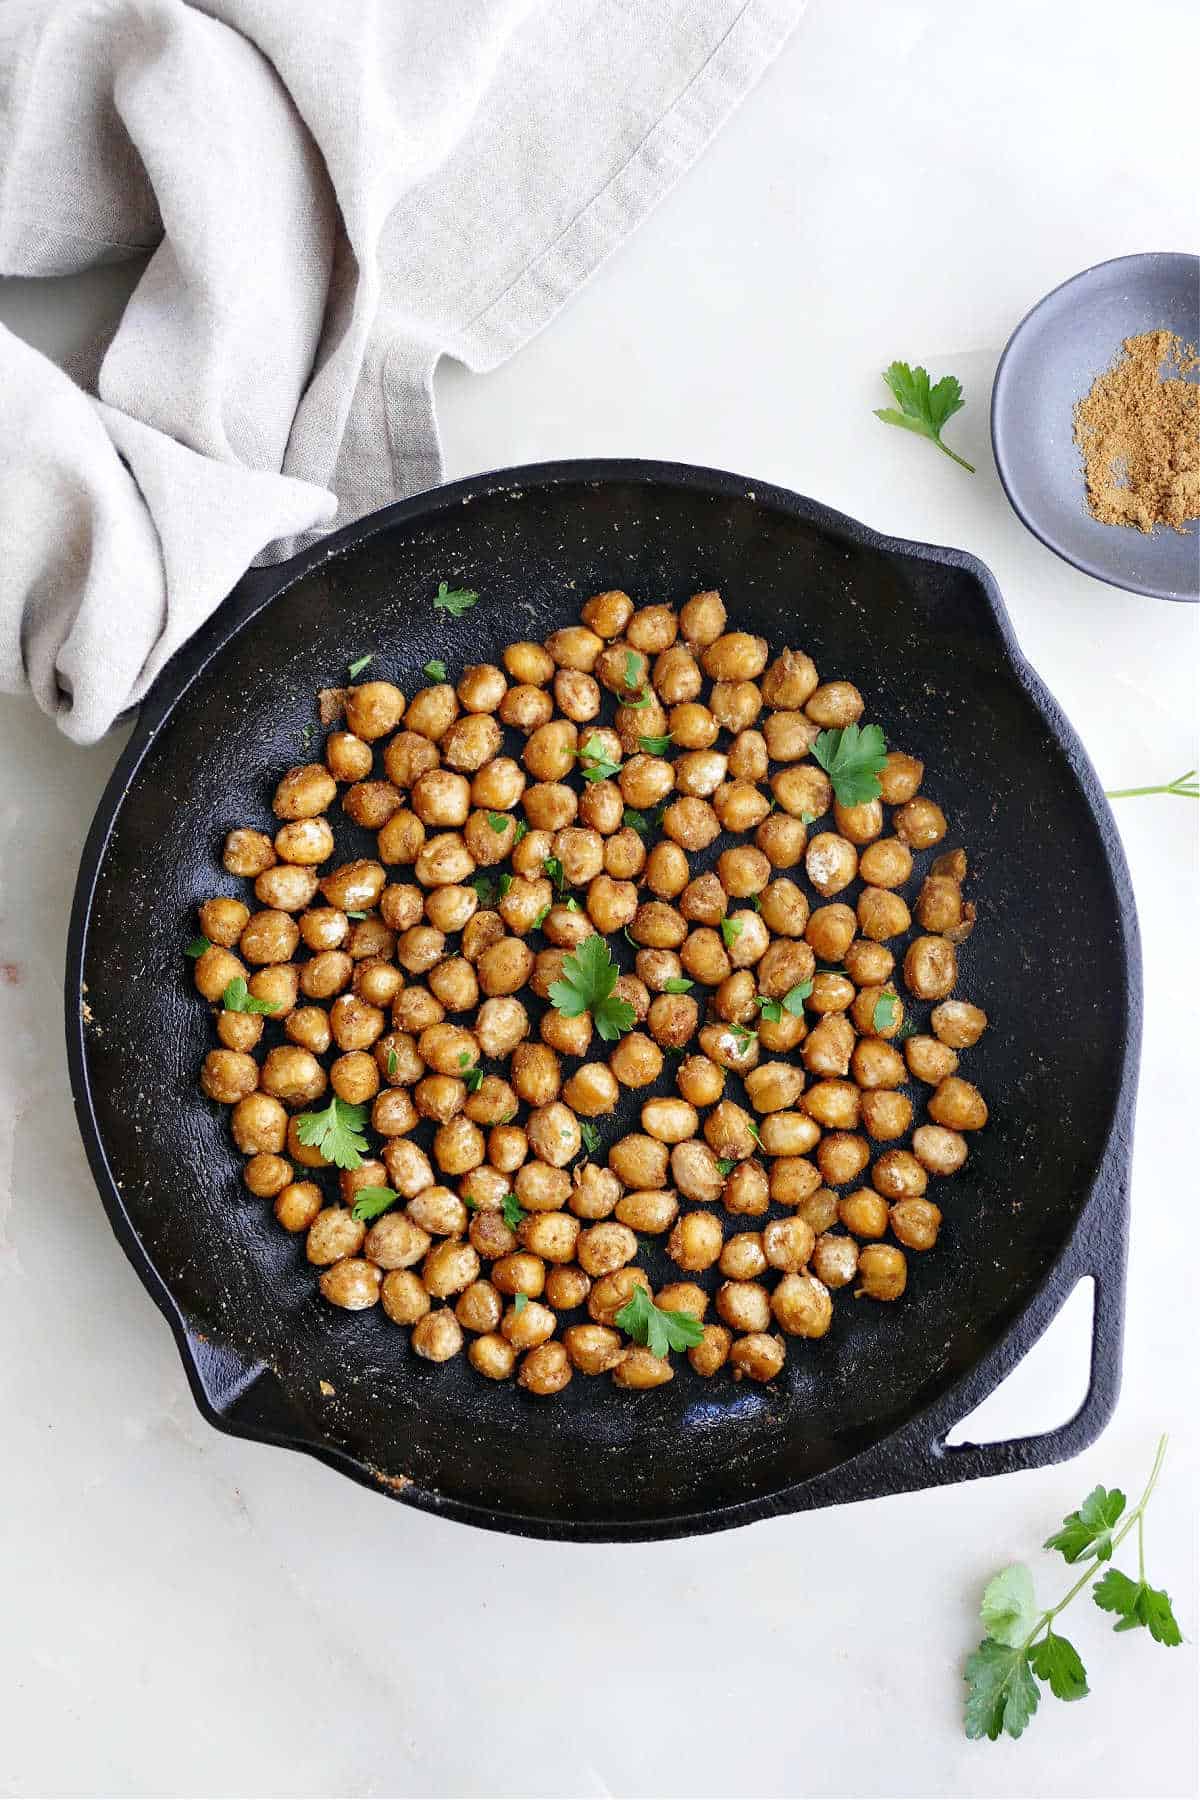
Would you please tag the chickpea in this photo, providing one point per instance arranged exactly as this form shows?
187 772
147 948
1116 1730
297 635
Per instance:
670 1121
228 1076
788 735
700 1080
919 824
266 1175
882 1271
491 1357
782 840
611 905
442 798
693 726
958 1023
527 708
831 993
742 1258
485 1188
269 937
730 1046
607 614
704 956
747 1190
862 823
900 777
710 1355
394 1242
916 1223
802 789
351 1284
508 1147
744 1305
658 925
439 1097
404 1298
831 862
533 1325
637 1060
940 1151
354 1078
887 863
458 1146
691 823
875 1064
640 1369
306 1155
606 1247
835 1260
864 1213
868 964
624 854
482 687
789 1134
899 1176
408 1168
594 1192
782 1034
448 1268
758 1355
749 943
286 888
355 1023
433 711
505 967
695 1173
297 1205
592 1091
541 1187
567 1287
247 852
792 1180
369 803
575 647
930 968
886 1114
438 1336
802 1306
292 1074
593 1349
829 1046
554 1134
601 808
676 675
834 1104
640 1161
401 839
734 656
696 1240
699 772
393 1114
479 1308
774 1086
472 742
546 1369
239 1031
788 1244
278 986
302 794
223 920
645 718
958 1105
740 806
333 1234
841 1157
328 973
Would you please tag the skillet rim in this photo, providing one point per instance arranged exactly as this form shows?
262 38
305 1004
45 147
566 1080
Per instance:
246 1402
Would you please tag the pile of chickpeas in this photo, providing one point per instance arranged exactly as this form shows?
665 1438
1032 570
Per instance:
787 1163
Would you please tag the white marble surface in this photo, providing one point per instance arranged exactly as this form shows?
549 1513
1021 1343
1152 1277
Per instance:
188 1615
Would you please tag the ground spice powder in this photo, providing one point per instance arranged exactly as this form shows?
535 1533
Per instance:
1139 434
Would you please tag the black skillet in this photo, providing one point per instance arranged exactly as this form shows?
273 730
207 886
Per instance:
1055 961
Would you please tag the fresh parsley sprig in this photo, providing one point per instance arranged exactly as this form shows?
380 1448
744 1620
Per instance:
371 1202
594 765
923 409
656 746
588 979
792 1002
471 1073
658 1327
455 601
1002 1692
238 998
336 1131
852 759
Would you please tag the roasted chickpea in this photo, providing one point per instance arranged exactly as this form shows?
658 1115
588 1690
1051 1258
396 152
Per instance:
700 1080
602 809
505 967
916 1223
351 1284
566 1287
833 1104
442 798
864 1213
269 937
239 1031
899 1176
740 806
831 862
868 964
710 1355
404 1298
394 1242
594 1192
802 1306
696 1240
593 1349
778 1036
676 675
782 840
744 1305
841 1157
624 854
929 1060
266 1175
302 794
835 1260
831 993
605 1247
691 823
940 1151
439 1097
693 726
479 1308
535 1074
747 1191
607 614
930 968
297 1204
223 920
886 1114
228 1076
789 1134
875 1064
333 1234
695 1173
546 1369
829 1046
286 888
553 1132
471 742
803 790
247 852
527 708
882 1272
919 824
742 1258
792 1180
758 1355
958 1105
542 1188
887 863
699 772
640 1369
592 1091
637 1060
774 1086
438 1335
482 687
491 1357
958 1023
292 1075
638 719
393 1114
900 777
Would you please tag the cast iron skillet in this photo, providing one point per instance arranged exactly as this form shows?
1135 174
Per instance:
1055 961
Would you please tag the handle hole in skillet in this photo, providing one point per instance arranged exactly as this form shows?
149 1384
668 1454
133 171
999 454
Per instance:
1049 1384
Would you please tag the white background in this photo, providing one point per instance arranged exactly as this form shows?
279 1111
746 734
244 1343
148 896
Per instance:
183 1614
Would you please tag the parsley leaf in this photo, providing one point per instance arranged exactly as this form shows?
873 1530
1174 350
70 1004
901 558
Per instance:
1001 1693
393 1062
513 1211
635 820
742 1036
923 409
633 669
770 1009
238 998
198 946
472 1074
336 1131
455 601
658 1327
554 869
883 1014
485 887
731 931
1008 1609
520 1302
725 1165
356 915
521 831
573 904
677 984
356 668
590 1136
1137 1603
852 759
594 765
793 1000
369 1202
505 883
589 977
1088 1532
498 823
540 917
1056 1660
656 746
436 670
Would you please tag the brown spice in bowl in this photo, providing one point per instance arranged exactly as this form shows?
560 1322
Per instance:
1139 434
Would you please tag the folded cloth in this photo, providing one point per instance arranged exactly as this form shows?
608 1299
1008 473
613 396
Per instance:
330 196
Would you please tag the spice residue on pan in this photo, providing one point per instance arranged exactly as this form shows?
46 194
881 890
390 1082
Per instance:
1139 434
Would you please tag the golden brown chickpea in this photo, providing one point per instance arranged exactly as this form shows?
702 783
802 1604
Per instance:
354 1078
940 1151
695 1173
575 647
592 1090
774 1086
393 1114
534 1073
369 803
325 927
526 708
373 709
489 836
401 839
239 1031
691 823
269 937
788 1244
228 1076
333 1234
645 718
782 840
520 1273
409 1170
566 1287
355 1024
958 1105
454 984
747 1190
748 758
394 1242
758 1355
744 1305
789 681
672 1019
527 662
594 1192
407 757
611 905
637 1060
569 1037
900 777
286 888
508 1147
742 1258
439 1097
841 1157
607 614
292 1074
749 938
861 824
605 1247
624 854
491 1357
593 1349
734 656
501 1024
819 1209
404 1298
699 772
878 1011
868 964
351 1284
377 980
740 806
930 968
830 931
657 967
533 1325
437 1337
505 967
443 1047
882 914
882 1272
549 754
492 1101
542 1188
266 1175
442 798
830 862
554 1134
778 1036
297 1205
710 1355
743 871
639 1161
223 920
601 808
731 1046
354 886
700 1080
546 1369
835 1260
916 1223
458 1146
303 793
432 712
958 1023
928 1060
247 852
875 1064
831 993
622 670
328 973
482 687
887 863
479 1308
829 1046
692 726
789 736
864 1213
789 1134
670 1121
899 1176
702 618
449 1267
471 742
886 1114
696 1240
676 676
803 789
704 956
834 705
484 1189
640 1369
704 901
919 824
652 628
802 1306
792 1180
658 925
833 1104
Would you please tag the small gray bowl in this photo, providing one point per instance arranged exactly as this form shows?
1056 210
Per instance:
1050 362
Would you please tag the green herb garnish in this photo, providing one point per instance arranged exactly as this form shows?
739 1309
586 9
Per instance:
336 1131
731 931
472 1074
356 668
513 1211
505 883
656 1326
852 759
455 601
520 1302
521 831
369 1202
923 409
540 917
1002 1692
677 984
589 977
883 1014
594 765
238 998
393 1062
436 670
725 1165
554 869
197 947
656 746
635 820
356 915
590 1136
485 888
